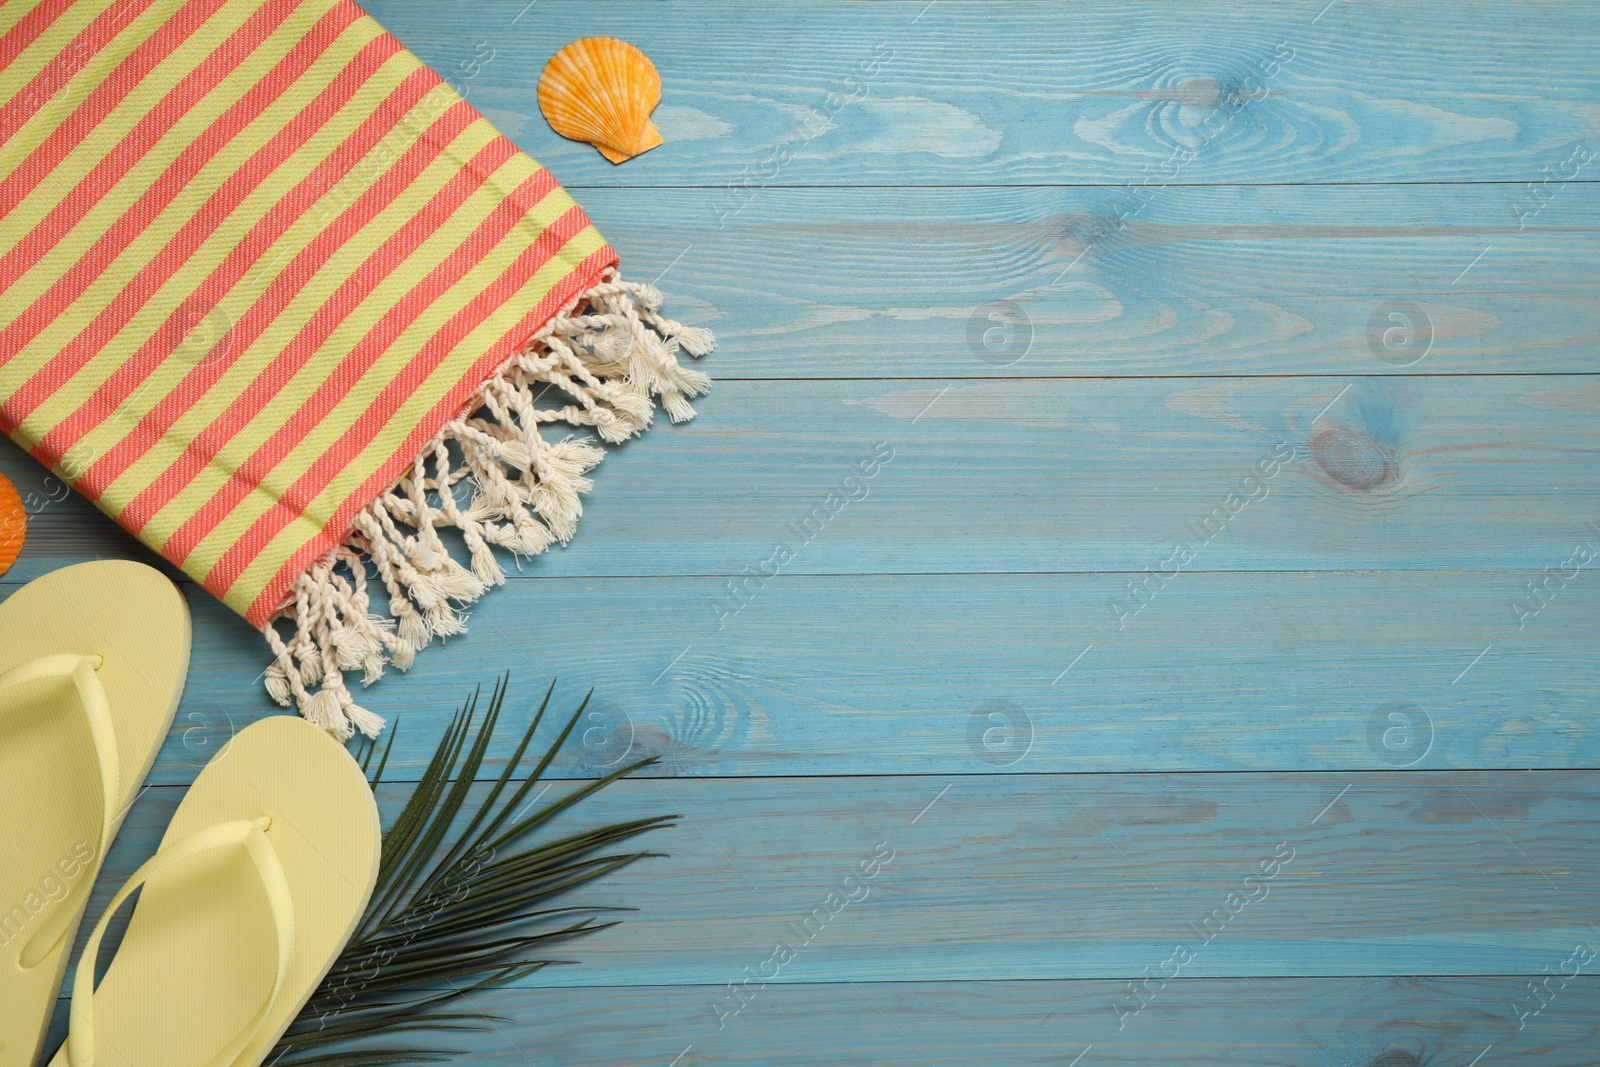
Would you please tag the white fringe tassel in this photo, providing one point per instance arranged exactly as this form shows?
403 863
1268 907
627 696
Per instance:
609 359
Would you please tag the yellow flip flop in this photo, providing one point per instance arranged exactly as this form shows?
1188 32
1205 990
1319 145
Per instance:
92 662
258 884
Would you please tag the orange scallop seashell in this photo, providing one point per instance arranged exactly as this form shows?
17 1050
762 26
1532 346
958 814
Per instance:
602 90
13 524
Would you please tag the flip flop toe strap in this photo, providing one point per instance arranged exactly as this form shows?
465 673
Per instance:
249 834
80 670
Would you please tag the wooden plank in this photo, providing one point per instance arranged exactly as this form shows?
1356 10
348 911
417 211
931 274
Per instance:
866 283
1199 1023
1048 877
1034 475
972 673
1096 91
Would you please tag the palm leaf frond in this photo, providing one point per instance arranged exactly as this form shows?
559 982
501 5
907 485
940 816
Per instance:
446 921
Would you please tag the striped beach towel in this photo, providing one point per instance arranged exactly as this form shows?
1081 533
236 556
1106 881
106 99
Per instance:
285 306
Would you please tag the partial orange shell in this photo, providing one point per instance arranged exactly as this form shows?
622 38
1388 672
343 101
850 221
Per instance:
602 90
13 524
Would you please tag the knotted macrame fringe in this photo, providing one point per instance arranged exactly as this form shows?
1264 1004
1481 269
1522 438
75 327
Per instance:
607 357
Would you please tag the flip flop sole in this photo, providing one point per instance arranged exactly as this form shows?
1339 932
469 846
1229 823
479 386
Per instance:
199 955
51 803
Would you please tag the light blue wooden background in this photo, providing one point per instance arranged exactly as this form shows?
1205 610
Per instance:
949 668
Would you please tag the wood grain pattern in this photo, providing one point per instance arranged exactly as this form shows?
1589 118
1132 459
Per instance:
1266 1022
1039 476
906 673
1216 281
843 94
1043 877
